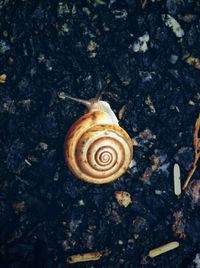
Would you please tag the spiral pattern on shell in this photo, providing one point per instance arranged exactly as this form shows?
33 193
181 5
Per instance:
95 151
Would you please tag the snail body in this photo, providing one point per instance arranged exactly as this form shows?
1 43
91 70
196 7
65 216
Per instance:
97 149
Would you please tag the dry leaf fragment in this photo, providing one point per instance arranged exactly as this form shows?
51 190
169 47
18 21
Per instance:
155 161
3 78
194 191
188 17
149 103
90 256
177 181
191 60
19 205
196 142
123 198
179 225
162 249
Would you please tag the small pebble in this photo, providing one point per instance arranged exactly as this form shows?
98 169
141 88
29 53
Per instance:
92 46
43 146
173 58
140 45
81 203
173 24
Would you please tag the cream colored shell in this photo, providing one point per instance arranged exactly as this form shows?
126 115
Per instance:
96 150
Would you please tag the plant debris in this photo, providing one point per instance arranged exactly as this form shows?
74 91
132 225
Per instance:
149 103
193 61
179 225
121 112
196 144
188 17
163 249
19 206
92 46
91 256
194 191
155 161
3 78
123 198
159 162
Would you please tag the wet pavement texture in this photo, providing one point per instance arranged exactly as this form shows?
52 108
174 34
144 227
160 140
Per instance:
146 55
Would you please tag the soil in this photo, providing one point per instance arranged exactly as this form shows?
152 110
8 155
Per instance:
145 56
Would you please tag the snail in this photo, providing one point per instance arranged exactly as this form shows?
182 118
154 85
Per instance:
97 149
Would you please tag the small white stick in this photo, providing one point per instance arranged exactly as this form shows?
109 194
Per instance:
162 249
177 180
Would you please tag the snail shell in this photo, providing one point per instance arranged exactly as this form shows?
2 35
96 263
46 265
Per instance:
96 149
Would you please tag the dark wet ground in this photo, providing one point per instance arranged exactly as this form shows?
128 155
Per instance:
51 47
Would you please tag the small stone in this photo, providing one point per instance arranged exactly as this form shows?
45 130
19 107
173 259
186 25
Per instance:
173 58
65 245
173 24
92 46
56 176
41 58
132 164
140 45
81 203
158 192
43 146
191 103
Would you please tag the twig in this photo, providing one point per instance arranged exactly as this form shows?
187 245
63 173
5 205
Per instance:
196 143
91 256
